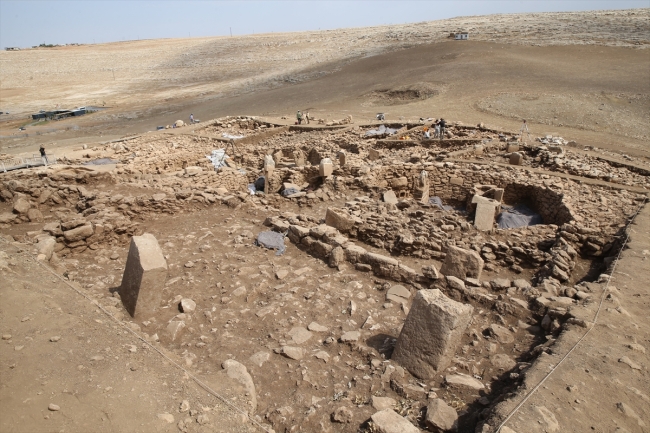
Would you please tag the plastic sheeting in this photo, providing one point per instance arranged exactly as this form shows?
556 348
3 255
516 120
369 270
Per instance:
518 216
382 130
231 137
218 158
437 201
272 241
290 191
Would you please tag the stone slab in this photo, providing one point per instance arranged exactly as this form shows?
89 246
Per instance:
144 277
431 333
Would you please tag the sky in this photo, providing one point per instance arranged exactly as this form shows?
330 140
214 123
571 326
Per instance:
25 23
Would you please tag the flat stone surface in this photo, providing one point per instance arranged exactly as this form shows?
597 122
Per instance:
350 336
299 335
381 403
315 327
388 421
390 197
464 381
399 294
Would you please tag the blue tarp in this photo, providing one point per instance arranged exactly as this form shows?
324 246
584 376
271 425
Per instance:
512 217
271 240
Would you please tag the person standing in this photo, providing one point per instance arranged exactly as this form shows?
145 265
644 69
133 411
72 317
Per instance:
307 117
443 126
43 155
299 117
436 130
191 119
524 130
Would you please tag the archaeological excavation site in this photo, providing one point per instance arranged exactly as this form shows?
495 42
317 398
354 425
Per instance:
338 277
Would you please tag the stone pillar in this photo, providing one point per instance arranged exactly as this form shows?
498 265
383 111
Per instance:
486 210
144 277
299 158
421 192
326 167
431 333
516 158
512 148
373 155
341 155
269 168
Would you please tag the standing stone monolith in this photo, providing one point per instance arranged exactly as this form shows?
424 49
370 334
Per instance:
431 333
516 158
326 167
144 277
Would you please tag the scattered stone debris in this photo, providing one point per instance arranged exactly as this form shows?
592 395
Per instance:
396 291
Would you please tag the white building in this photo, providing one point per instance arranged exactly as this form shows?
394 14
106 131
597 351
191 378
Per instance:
461 36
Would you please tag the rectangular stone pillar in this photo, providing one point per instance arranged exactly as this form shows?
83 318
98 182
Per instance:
516 158
512 148
326 167
484 217
431 333
144 277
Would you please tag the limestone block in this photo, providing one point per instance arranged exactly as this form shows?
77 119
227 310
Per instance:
373 155
46 246
239 373
462 263
431 333
354 253
78 233
389 421
498 194
441 416
7 217
516 158
337 257
326 167
390 197
341 156
512 148
193 170
456 180
478 149
34 215
21 205
400 182
339 219
144 276
484 217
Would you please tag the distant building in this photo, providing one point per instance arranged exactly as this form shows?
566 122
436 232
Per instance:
12 48
461 36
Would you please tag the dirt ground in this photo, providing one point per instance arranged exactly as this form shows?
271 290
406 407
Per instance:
59 348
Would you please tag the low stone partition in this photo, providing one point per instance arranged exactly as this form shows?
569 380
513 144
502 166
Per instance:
328 244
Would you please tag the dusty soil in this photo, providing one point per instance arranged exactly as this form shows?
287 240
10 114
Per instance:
565 61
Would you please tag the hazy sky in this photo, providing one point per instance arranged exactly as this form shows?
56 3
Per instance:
25 23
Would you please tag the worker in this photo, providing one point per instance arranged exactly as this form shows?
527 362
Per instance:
43 156
443 125
299 117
